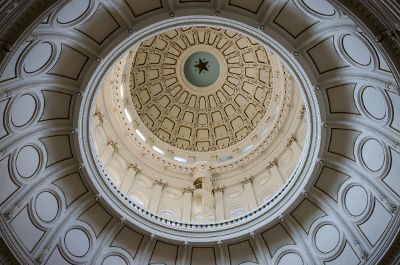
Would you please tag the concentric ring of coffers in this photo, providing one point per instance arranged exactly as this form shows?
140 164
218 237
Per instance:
208 119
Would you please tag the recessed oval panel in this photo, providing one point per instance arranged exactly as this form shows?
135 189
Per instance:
356 200
321 7
27 161
290 259
356 50
114 260
374 103
77 242
38 57
327 238
373 155
23 110
72 11
46 206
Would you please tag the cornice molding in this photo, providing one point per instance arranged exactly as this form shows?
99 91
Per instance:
392 257
6 256
19 16
389 47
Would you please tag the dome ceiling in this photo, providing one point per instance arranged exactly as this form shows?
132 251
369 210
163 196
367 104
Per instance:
203 117
125 136
54 209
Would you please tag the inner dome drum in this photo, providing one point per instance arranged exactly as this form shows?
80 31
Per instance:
200 125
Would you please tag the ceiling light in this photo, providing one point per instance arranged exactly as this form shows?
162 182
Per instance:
180 159
247 148
225 158
121 87
264 133
140 135
155 148
128 116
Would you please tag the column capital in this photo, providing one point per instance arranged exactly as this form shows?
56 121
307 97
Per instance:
134 167
247 180
113 145
99 116
217 189
188 189
160 182
272 164
291 141
302 112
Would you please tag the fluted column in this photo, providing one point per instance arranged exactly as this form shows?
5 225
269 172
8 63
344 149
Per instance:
98 120
156 195
187 204
249 192
108 152
128 179
275 173
219 204
294 146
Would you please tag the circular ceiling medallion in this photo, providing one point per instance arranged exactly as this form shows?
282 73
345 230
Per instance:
201 69
201 76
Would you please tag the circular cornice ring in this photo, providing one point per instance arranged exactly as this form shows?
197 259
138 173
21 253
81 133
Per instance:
284 200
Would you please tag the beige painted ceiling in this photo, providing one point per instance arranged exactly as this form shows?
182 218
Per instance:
202 119
255 91
54 210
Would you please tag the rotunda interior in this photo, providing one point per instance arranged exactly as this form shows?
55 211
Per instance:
204 145
199 132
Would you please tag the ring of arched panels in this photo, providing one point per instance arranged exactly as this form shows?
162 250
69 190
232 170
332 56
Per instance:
383 190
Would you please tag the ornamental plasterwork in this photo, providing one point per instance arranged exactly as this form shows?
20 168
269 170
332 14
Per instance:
282 123
352 243
285 123
253 155
202 119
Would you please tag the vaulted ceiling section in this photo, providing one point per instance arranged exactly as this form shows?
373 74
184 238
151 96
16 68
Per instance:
345 209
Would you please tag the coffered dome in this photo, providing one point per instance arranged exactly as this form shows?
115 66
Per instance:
111 147
239 82
248 124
